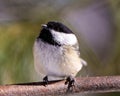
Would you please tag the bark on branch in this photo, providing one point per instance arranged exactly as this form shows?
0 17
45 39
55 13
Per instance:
82 85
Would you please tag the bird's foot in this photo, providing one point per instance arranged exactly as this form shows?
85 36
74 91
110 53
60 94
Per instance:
70 81
45 81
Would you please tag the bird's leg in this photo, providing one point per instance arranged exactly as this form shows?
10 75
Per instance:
45 80
70 81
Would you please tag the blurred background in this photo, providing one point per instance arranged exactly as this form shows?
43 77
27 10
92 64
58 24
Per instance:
95 22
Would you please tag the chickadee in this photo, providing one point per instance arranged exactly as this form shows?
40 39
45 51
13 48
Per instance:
56 53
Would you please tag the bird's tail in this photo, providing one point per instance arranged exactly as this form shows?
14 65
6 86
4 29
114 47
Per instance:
83 62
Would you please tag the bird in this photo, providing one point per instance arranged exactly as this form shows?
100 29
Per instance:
56 53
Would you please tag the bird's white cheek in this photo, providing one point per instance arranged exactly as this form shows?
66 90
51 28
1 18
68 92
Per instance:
70 39
64 38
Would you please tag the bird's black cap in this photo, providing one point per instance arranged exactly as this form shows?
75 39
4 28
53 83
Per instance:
57 26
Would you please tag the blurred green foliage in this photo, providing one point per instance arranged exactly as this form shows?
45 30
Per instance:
16 59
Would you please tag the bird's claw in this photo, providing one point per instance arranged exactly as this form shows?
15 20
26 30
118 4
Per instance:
70 81
45 81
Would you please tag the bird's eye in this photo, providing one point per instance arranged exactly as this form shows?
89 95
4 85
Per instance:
50 26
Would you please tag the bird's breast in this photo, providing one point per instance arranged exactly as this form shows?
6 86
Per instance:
56 61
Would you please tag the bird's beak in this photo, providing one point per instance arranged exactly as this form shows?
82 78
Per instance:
44 25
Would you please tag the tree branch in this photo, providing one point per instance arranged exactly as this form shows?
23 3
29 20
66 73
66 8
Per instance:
82 85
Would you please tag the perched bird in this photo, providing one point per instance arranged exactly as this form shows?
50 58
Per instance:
56 53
